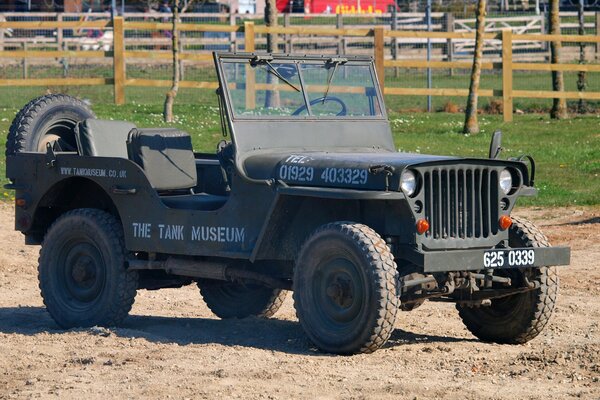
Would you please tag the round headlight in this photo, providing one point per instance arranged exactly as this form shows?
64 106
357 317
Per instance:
505 181
408 182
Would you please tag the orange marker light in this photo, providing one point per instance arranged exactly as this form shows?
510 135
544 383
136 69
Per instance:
504 222
422 226
21 202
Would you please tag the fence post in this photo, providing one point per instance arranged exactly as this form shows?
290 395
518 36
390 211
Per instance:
250 76
119 60
339 24
59 33
379 47
507 75
395 40
232 35
449 46
25 63
287 39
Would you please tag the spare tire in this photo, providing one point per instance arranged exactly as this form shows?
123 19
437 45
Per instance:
47 119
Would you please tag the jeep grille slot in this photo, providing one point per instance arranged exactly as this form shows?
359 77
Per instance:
461 203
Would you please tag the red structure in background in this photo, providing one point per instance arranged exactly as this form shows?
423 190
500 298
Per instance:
341 6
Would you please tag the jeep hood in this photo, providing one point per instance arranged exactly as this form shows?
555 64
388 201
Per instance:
365 170
375 170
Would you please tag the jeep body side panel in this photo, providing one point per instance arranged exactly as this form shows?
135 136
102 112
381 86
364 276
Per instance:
148 224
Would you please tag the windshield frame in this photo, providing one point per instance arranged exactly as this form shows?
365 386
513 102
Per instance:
297 60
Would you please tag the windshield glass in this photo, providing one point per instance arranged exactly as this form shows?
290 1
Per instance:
332 88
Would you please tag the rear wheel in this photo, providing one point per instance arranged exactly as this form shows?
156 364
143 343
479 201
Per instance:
345 289
238 300
47 119
82 272
519 318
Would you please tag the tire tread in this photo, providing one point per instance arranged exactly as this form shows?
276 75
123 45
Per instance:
383 272
119 306
20 126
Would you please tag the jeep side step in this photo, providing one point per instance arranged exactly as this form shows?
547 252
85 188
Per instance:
208 270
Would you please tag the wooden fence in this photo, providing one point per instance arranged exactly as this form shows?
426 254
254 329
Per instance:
119 54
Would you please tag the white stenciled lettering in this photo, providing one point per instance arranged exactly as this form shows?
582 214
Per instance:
297 159
94 172
170 232
141 229
219 234
97 172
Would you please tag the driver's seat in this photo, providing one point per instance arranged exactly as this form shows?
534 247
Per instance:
168 161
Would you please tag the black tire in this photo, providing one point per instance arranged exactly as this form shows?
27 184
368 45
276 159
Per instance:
82 272
48 118
517 319
236 300
345 289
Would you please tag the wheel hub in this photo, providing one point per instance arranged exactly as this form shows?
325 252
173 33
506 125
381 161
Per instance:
340 292
83 270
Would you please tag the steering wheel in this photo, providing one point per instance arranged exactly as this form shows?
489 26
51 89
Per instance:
323 99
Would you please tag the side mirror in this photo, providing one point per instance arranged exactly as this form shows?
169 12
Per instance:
496 145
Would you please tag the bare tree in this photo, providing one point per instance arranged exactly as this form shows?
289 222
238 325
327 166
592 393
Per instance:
271 96
175 43
559 105
471 123
581 76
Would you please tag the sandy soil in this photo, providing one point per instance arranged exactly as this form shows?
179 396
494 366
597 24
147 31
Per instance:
173 347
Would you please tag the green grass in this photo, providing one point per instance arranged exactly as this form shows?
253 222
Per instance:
567 152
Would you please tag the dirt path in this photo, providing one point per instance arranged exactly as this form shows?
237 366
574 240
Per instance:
172 347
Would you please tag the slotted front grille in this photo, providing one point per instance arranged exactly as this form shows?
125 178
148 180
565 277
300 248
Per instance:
461 203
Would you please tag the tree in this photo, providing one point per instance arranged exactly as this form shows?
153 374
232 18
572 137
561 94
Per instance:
271 96
471 123
581 76
172 93
559 105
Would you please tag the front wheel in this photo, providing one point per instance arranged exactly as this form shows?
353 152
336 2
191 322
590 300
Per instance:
519 318
82 271
345 289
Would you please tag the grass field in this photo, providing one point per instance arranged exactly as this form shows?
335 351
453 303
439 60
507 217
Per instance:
567 152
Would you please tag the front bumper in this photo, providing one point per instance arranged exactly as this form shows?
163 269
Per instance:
473 260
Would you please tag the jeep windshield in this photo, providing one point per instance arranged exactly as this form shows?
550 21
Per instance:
284 87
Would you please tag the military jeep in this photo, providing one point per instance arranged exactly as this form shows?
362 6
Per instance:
306 193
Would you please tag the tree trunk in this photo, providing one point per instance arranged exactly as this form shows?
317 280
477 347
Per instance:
271 96
559 106
581 77
172 93
471 123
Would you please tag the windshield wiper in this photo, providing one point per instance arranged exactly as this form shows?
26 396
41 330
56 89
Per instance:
335 62
266 60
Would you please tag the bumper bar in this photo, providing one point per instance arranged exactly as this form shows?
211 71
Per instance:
473 260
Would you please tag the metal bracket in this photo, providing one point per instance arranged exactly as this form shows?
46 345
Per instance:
50 156
118 190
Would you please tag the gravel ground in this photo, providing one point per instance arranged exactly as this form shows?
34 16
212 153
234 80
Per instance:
173 347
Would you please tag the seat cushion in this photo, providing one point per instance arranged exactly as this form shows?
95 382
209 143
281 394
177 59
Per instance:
166 157
199 201
101 138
